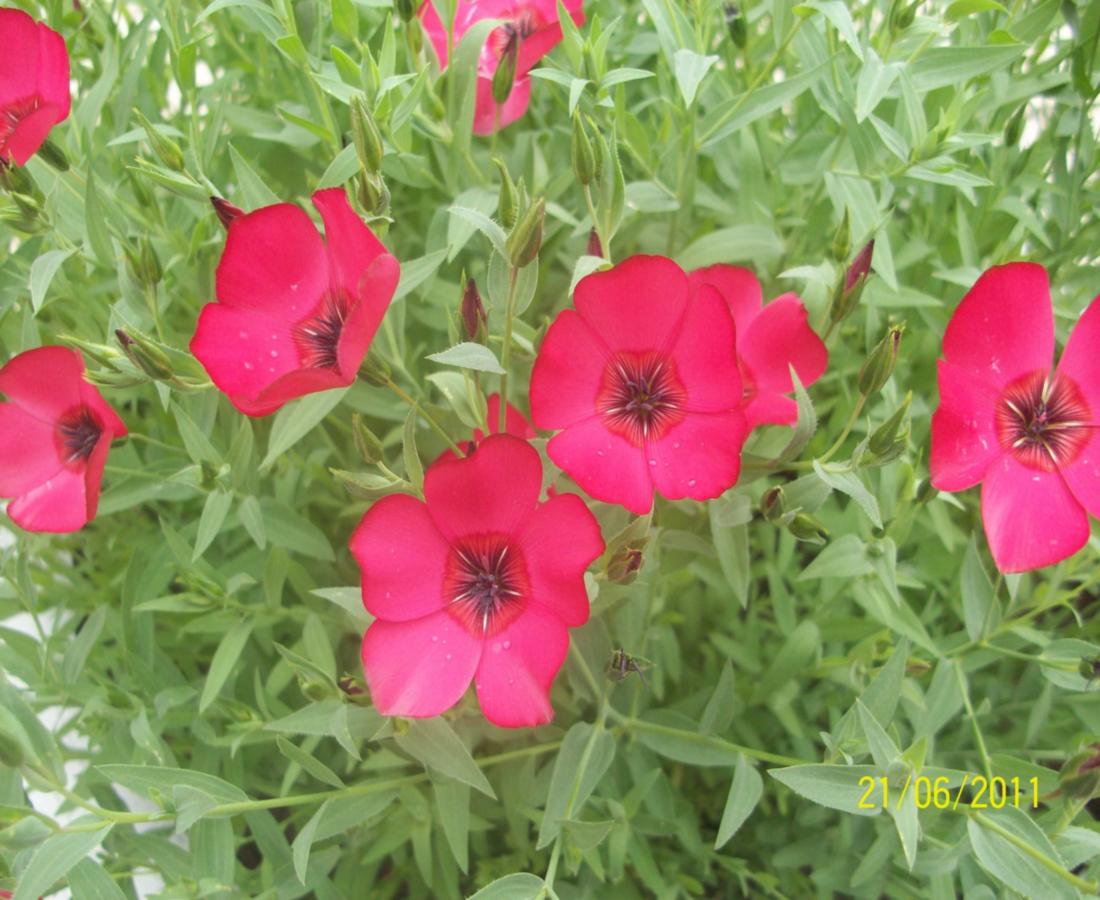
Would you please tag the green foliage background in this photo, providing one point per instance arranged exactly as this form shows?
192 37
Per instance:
198 644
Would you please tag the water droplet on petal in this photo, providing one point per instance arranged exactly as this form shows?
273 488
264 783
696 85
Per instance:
435 637
248 366
274 354
507 644
653 462
449 656
691 483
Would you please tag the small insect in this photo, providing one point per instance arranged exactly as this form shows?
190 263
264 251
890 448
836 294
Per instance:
623 664
1089 669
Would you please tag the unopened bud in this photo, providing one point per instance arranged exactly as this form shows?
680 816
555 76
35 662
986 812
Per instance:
373 194
806 528
626 563
860 268
505 75
145 354
842 241
365 134
226 211
735 24
54 155
902 15
474 319
889 436
101 353
584 157
1079 777
880 364
508 202
366 442
376 370
143 262
167 150
406 9
772 503
525 240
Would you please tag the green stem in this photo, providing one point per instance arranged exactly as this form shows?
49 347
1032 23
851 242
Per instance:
987 763
706 740
506 349
848 426
1089 887
420 411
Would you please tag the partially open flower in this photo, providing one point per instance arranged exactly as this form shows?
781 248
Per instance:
295 313
529 31
55 432
1029 435
770 340
642 378
479 583
34 84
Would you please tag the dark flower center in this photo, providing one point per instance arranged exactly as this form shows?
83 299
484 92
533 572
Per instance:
1044 421
79 431
486 583
13 113
641 396
318 337
520 26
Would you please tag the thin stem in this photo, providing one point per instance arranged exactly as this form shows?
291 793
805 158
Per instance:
506 350
848 426
420 411
987 763
1089 887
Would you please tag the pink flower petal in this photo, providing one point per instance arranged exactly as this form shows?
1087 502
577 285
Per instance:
1081 364
53 70
560 541
964 431
352 246
514 421
274 263
706 356
605 465
1031 518
376 285
778 338
489 116
93 473
517 668
492 491
403 558
45 381
29 451
638 305
289 387
699 457
30 133
769 408
436 31
58 505
739 287
108 418
19 63
567 373
419 668
1003 328
244 351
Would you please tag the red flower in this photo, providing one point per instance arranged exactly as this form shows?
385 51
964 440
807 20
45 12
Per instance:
514 424
770 339
643 378
34 84
1030 436
55 433
295 313
480 583
533 24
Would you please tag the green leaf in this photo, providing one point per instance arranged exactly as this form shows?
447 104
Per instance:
836 787
309 763
53 860
414 469
519 886
99 239
482 223
297 419
224 661
303 843
739 243
452 804
845 557
469 355
675 736
76 654
690 68
797 653
213 516
43 270
980 611
88 880
252 518
883 749
586 754
253 192
214 850
997 836
160 780
434 743
954 66
745 793
415 272
849 483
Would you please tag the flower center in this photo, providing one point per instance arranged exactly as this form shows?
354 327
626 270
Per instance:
1043 421
14 113
485 584
79 431
318 337
640 396
519 26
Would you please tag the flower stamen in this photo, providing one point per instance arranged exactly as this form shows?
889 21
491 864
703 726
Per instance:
79 432
318 337
1044 421
641 396
485 584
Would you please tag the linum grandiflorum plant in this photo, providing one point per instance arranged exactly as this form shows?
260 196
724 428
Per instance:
494 449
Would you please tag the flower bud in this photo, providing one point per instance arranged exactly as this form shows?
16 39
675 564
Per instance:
474 319
103 354
143 262
167 150
842 241
806 528
366 442
508 202
1079 777
772 503
584 157
54 155
365 134
902 15
505 75
373 194
226 211
879 366
375 370
860 268
735 24
406 9
889 435
626 562
146 355
594 247
525 240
